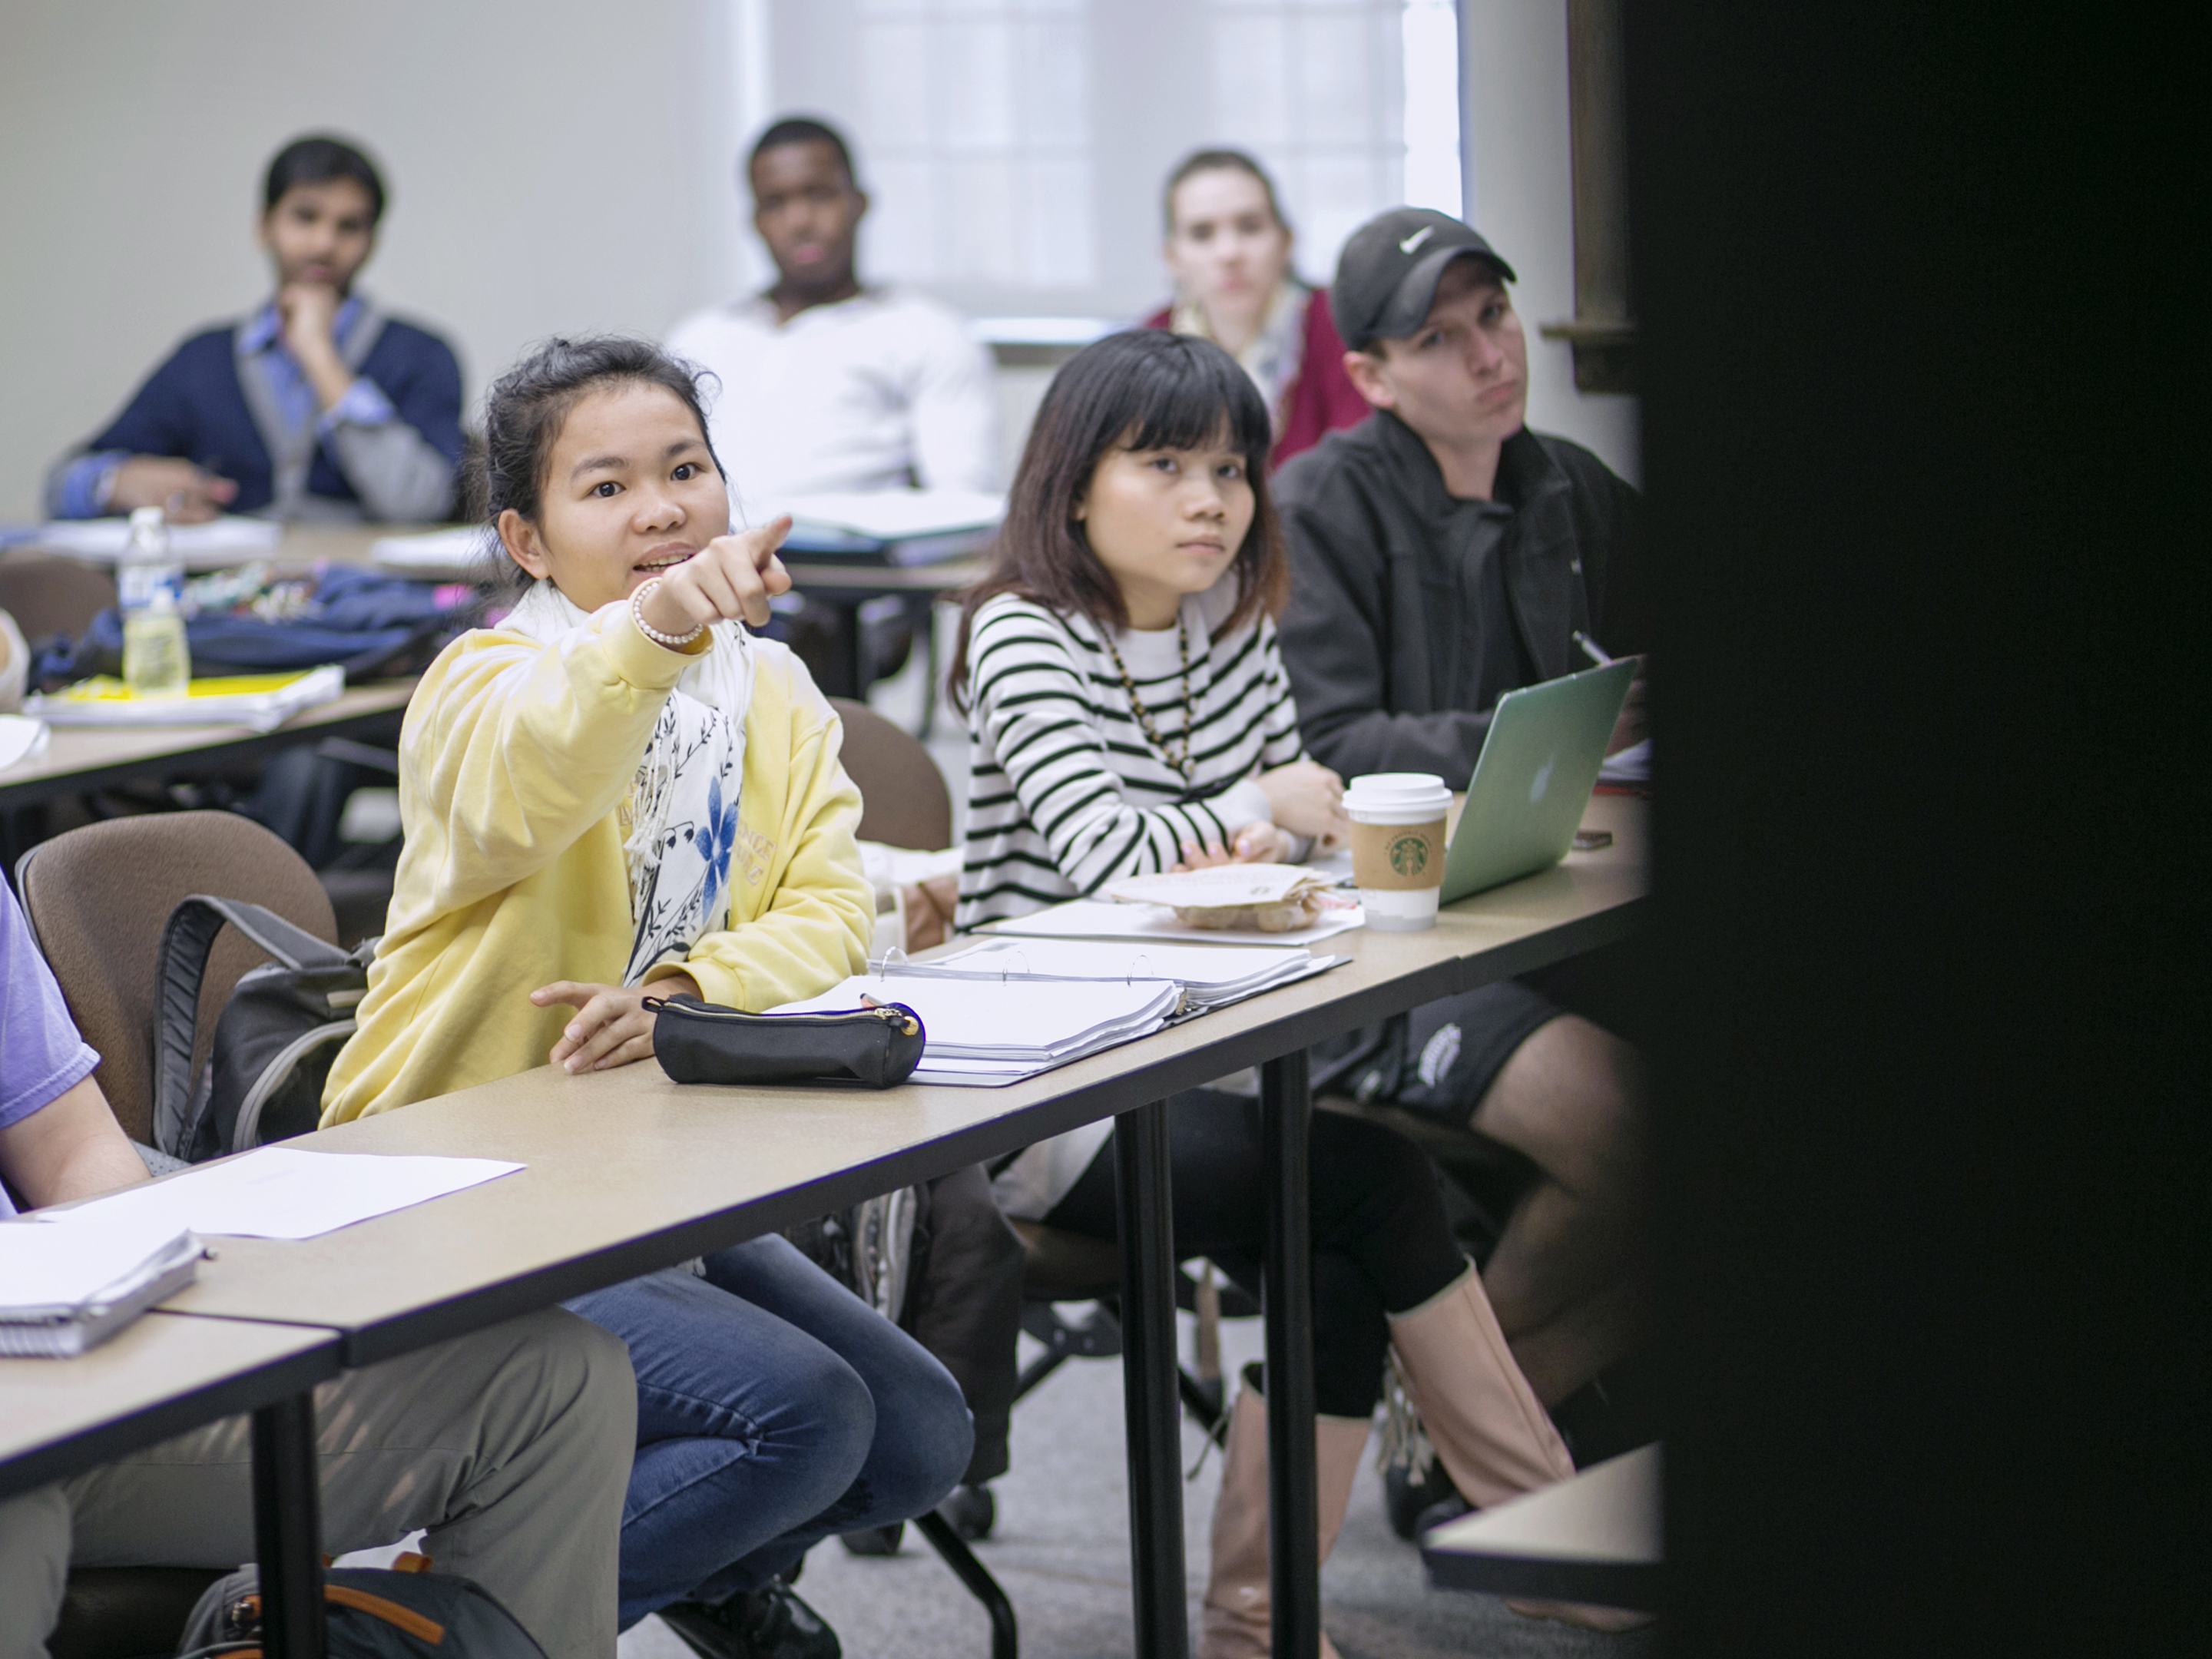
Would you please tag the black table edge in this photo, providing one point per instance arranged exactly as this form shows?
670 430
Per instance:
1631 1584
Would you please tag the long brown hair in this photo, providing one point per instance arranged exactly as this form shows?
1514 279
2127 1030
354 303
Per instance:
1144 390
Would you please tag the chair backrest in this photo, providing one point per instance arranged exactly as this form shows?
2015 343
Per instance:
48 595
98 898
904 801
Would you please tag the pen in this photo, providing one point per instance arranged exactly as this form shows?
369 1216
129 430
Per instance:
1591 648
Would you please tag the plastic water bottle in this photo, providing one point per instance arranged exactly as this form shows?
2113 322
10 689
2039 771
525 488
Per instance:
149 580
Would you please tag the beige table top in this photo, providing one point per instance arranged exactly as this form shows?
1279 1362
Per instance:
629 1172
1609 1512
159 1377
79 756
1595 1538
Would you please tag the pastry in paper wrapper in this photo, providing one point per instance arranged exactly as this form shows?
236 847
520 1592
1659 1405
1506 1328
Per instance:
1267 898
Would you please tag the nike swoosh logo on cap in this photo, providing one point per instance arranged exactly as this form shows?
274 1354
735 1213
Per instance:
1417 239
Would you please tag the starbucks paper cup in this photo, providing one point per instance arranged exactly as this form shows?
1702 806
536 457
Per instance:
1398 847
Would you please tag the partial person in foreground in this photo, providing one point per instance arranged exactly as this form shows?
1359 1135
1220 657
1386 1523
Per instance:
1229 250
510 1446
620 792
826 384
318 406
1442 554
1130 714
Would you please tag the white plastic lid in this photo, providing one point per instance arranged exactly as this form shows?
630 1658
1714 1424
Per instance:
145 518
1398 788
1397 797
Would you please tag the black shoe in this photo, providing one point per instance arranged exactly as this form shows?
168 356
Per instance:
1404 1498
770 1623
1443 1509
874 1540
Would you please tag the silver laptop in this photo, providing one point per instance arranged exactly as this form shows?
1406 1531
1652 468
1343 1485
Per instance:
1532 780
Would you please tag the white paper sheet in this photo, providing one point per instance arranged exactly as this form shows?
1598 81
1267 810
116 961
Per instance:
224 541
1100 919
891 514
279 1192
466 548
21 738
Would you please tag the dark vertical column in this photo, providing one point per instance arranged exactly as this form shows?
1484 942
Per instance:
288 1529
1148 1380
1926 493
1293 1559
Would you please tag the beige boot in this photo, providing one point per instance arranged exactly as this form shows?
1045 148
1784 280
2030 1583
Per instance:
1493 1435
1233 1624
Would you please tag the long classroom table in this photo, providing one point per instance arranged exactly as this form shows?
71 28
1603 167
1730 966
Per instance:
165 1374
629 1172
82 758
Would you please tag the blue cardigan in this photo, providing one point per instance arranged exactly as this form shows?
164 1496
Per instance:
193 406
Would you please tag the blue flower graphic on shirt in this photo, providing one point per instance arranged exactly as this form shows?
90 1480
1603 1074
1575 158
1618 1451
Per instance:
714 841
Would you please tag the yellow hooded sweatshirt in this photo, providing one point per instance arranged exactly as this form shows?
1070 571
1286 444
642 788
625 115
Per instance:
513 760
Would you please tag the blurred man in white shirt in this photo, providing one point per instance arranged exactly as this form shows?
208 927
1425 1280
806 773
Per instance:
827 384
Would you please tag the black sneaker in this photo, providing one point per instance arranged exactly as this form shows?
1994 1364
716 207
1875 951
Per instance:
770 1623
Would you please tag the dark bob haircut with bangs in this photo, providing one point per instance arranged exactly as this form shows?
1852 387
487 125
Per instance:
1144 390
527 406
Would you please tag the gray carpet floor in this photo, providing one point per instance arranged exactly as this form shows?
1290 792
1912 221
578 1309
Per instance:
1061 1550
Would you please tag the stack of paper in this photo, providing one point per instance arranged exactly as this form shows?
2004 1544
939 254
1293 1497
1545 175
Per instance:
1212 976
224 541
467 552
984 1031
896 526
70 1281
1629 769
264 701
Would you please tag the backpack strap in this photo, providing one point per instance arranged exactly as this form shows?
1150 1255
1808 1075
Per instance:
181 964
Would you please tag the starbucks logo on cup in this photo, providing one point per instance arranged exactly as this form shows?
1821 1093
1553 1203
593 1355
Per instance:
1409 854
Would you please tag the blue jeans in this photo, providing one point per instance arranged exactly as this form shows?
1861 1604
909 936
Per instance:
773 1408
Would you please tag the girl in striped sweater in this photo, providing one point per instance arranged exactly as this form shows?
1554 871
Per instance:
1130 714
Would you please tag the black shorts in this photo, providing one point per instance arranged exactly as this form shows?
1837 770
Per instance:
1440 1059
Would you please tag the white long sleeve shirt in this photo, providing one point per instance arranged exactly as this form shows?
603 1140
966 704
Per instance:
880 391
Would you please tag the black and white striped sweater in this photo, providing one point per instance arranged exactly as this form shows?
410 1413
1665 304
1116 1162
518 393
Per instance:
1065 791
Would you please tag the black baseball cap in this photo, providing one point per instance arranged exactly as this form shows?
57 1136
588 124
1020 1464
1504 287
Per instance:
1386 277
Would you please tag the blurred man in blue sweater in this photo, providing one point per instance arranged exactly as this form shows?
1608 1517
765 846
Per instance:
317 406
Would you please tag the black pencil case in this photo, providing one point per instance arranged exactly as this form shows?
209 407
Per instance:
700 1041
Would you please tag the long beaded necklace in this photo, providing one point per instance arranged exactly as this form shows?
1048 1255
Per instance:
1181 763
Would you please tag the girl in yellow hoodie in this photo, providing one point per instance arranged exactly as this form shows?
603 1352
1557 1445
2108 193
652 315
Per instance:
620 791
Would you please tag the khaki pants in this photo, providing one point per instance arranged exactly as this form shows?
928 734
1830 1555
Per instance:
510 1447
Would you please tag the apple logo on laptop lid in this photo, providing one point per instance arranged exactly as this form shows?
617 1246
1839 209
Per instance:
1543 779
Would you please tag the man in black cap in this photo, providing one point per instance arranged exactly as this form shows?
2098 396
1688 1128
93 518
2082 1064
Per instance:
1442 555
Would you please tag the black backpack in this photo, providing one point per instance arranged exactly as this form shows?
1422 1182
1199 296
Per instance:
372 1612
274 1041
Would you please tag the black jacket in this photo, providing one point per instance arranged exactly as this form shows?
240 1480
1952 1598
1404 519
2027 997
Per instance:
1380 599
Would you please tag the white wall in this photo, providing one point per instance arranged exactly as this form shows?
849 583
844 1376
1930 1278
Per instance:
554 165
1520 189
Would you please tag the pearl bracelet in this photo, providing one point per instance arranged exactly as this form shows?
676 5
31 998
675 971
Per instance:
673 641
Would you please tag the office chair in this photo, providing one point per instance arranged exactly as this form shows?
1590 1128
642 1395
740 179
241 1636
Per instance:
97 899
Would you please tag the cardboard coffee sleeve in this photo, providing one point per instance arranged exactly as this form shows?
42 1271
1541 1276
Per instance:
1398 858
